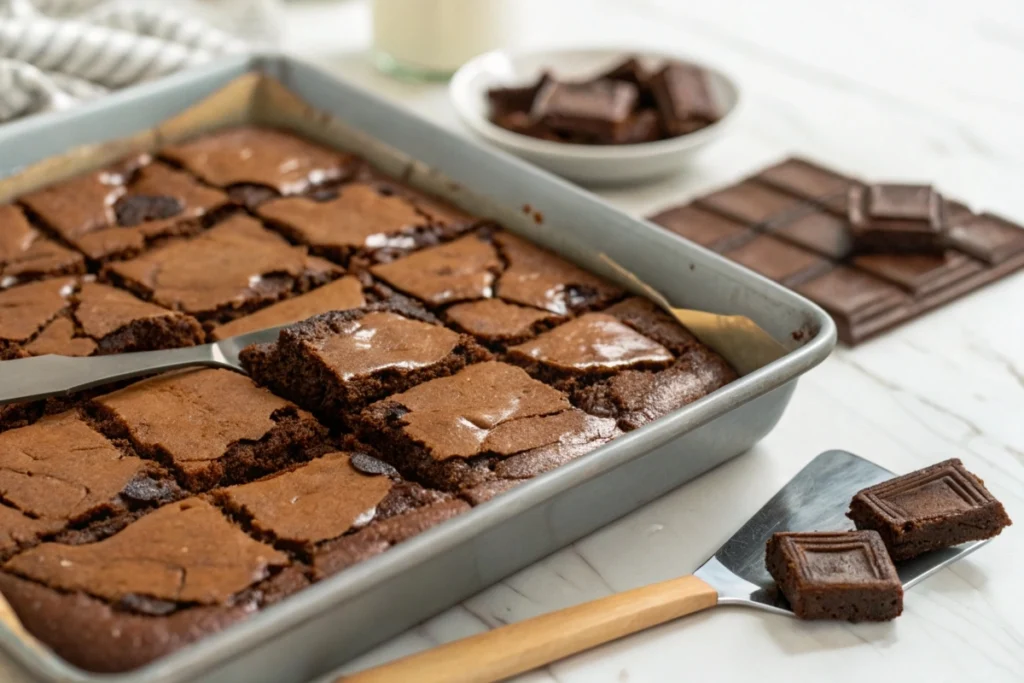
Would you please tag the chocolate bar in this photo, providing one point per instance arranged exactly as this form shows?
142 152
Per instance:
836 575
936 507
804 204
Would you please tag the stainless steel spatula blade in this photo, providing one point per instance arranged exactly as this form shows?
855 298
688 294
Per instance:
816 499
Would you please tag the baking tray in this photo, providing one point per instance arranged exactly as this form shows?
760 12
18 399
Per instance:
332 621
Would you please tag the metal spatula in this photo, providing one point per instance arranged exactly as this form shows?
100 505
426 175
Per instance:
27 379
816 499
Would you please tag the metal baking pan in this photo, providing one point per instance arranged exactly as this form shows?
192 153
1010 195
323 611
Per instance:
331 622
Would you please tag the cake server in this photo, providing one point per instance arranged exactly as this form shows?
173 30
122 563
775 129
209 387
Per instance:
817 498
26 379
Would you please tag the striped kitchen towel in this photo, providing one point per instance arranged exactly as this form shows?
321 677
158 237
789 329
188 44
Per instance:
54 53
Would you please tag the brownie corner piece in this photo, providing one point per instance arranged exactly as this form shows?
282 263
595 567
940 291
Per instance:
844 575
336 363
936 507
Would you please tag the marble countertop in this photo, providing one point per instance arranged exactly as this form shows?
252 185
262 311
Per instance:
921 90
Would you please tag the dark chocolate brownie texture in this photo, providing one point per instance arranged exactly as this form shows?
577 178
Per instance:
209 427
71 317
490 421
26 254
337 510
897 218
229 271
936 507
256 164
116 212
359 218
59 474
836 575
337 363
169 578
495 322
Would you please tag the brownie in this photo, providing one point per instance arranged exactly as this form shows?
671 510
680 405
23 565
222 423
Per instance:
209 427
116 212
359 219
229 271
497 323
26 254
337 363
683 98
844 575
936 507
165 580
897 218
339 295
338 509
490 421
72 317
255 164
595 110
59 474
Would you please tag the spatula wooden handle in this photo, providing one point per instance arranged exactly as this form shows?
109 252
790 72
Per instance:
525 645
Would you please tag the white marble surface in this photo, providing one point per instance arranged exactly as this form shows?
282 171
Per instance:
918 89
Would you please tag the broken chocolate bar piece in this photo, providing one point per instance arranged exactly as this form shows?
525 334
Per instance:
836 575
597 109
683 98
505 101
937 507
897 218
985 236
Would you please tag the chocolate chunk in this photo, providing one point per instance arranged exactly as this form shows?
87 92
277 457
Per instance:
135 209
855 300
936 507
836 575
630 71
143 604
597 109
985 236
897 218
704 227
641 126
509 100
367 464
683 98
147 489
784 263
251 195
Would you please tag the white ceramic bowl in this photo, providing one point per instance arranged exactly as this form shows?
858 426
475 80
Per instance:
588 164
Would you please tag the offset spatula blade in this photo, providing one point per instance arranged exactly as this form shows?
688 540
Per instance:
27 379
816 499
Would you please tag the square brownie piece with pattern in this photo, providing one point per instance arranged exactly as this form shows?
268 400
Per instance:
936 507
209 427
338 509
255 164
337 363
115 213
167 579
836 575
26 254
231 270
481 430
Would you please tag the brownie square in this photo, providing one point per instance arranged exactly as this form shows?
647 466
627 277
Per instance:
337 363
26 254
497 323
488 422
255 164
358 219
209 427
71 317
936 507
167 579
229 271
338 509
836 575
115 213
787 264
750 203
703 227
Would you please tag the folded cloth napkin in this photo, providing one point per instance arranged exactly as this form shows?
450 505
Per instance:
54 53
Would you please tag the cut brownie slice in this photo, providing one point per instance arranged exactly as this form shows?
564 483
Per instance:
339 295
256 164
935 507
116 212
69 317
836 575
167 579
337 363
209 426
358 219
490 421
338 510
26 254
232 269
496 323
60 474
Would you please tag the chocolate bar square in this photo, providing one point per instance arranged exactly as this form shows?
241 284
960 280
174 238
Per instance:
984 236
897 218
703 227
750 202
817 230
836 575
596 108
683 98
919 274
936 507
786 264
857 301
806 180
